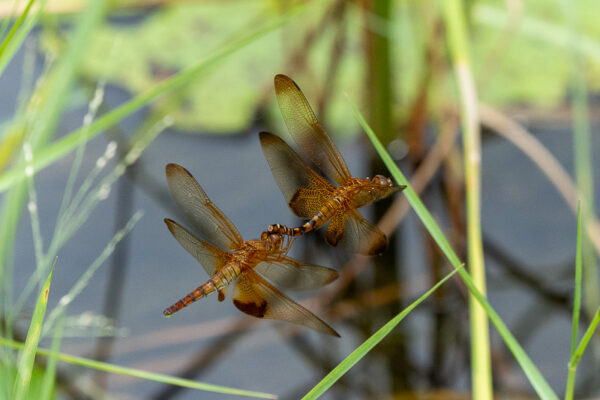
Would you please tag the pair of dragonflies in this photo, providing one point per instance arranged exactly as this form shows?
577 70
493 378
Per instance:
226 257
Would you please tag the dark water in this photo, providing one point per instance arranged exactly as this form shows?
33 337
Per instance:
524 218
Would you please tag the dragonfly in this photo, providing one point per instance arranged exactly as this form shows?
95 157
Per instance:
228 259
311 196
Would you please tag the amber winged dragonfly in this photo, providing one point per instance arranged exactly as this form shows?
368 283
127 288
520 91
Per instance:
230 258
311 196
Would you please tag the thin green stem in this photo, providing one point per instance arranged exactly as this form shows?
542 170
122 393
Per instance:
49 107
576 357
136 373
582 155
481 371
576 309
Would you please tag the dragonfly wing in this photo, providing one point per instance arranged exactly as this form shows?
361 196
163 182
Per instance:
258 298
314 144
294 275
304 190
210 257
354 233
206 217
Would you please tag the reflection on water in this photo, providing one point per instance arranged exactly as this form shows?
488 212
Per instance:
528 230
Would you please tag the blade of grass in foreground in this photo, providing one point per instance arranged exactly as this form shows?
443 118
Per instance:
15 27
533 374
371 342
569 390
21 385
67 143
136 373
47 390
15 37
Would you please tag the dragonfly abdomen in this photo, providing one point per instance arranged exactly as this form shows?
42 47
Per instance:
217 282
331 207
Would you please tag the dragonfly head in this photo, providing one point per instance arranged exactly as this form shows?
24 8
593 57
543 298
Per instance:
381 180
275 238
272 238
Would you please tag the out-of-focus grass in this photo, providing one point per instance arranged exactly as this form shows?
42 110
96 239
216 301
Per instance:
48 383
481 368
535 377
39 125
570 388
582 154
136 373
578 350
41 116
68 143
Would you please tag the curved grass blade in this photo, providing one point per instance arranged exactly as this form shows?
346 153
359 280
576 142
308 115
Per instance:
21 385
67 143
371 342
536 379
136 373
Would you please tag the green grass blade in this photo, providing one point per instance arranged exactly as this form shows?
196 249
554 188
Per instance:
69 142
136 373
371 342
85 278
47 109
31 343
9 36
533 374
47 390
586 338
456 26
570 388
15 37
583 158
577 291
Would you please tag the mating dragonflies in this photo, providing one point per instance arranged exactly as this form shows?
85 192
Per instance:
308 194
229 257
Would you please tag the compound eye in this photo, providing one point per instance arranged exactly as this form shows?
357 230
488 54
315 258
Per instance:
381 180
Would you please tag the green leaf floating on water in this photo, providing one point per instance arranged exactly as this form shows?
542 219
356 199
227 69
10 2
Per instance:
139 55
531 68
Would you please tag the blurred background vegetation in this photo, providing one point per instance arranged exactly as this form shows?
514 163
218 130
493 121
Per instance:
99 96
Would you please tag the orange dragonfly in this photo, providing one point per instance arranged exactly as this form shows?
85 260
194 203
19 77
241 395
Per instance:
242 260
308 194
